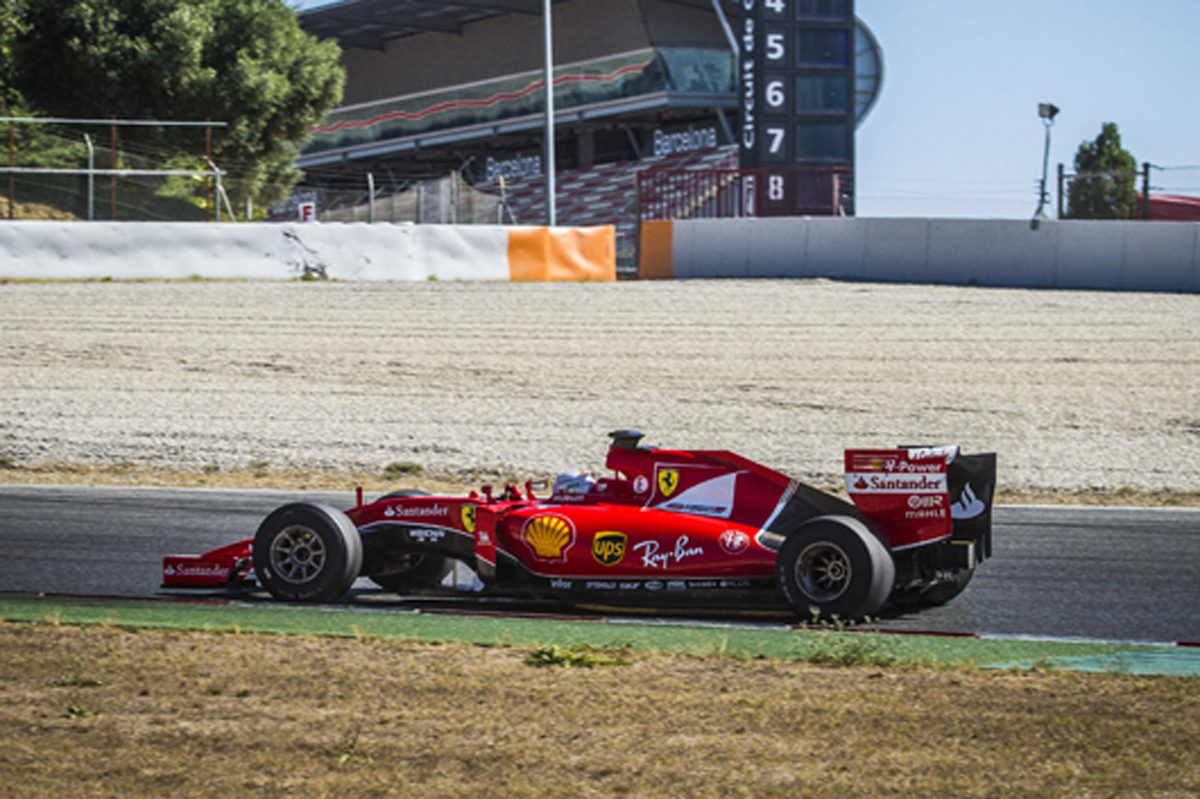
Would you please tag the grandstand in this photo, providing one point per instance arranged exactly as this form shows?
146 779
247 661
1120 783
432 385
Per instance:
452 94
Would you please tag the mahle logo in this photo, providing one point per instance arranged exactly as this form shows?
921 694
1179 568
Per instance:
609 548
468 518
668 481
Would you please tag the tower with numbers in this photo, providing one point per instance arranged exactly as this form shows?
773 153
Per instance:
797 103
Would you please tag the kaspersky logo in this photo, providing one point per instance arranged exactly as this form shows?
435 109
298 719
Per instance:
668 481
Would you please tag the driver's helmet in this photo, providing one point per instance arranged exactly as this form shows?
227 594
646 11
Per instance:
576 484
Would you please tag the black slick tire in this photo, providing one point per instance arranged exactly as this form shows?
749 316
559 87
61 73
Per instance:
307 552
404 493
834 567
422 571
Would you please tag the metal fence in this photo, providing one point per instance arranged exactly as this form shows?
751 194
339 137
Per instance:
84 169
731 193
438 201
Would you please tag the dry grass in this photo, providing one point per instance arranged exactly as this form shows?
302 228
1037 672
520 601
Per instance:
129 474
30 211
104 711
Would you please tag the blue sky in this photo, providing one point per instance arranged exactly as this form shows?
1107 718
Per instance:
955 132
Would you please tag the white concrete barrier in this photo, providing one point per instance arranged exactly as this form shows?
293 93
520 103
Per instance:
263 251
1128 256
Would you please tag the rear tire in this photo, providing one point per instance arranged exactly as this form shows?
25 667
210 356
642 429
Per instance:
419 571
423 571
305 552
833 566
404 493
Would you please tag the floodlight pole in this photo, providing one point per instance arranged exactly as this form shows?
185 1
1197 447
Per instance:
1047 112
548 149
91 198
12 150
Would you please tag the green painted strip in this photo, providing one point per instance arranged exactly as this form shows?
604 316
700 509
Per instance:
847 648
1161 661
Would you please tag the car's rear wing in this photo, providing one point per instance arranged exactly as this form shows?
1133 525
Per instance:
920 495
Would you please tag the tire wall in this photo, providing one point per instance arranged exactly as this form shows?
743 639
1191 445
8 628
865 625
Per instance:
1125 256
263 251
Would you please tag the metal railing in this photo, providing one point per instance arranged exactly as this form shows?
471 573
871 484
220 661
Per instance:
731 193
48 170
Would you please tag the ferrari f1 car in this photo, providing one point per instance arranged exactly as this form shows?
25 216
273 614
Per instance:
668 527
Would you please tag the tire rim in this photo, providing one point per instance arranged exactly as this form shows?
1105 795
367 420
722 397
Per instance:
823 571
297 554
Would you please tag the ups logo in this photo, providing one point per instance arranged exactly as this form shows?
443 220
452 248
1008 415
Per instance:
609 548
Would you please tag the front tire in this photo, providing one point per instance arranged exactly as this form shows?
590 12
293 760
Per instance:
833 566
305 552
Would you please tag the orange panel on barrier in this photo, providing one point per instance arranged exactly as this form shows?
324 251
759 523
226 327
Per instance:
554 254
654 262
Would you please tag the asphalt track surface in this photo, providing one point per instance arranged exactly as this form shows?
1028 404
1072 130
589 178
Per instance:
1094 573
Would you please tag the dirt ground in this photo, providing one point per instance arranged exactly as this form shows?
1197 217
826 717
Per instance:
1080 393
109 712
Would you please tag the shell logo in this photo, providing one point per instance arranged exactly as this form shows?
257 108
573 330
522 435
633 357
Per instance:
549 537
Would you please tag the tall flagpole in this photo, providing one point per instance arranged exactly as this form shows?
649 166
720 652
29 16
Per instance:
548 156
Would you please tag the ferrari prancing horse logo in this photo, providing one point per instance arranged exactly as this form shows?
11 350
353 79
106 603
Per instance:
468 518
668 481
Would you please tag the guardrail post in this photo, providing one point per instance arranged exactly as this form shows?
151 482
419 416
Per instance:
12 154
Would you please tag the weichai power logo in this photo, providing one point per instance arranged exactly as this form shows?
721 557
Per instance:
608 548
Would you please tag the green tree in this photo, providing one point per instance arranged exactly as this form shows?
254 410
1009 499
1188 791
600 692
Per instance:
244 62
1107 189
10 19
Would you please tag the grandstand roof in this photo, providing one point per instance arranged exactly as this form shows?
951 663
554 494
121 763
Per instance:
370 23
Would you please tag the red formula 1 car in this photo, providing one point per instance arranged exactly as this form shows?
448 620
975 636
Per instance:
675 527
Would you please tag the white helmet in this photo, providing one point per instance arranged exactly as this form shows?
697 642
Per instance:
576 483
